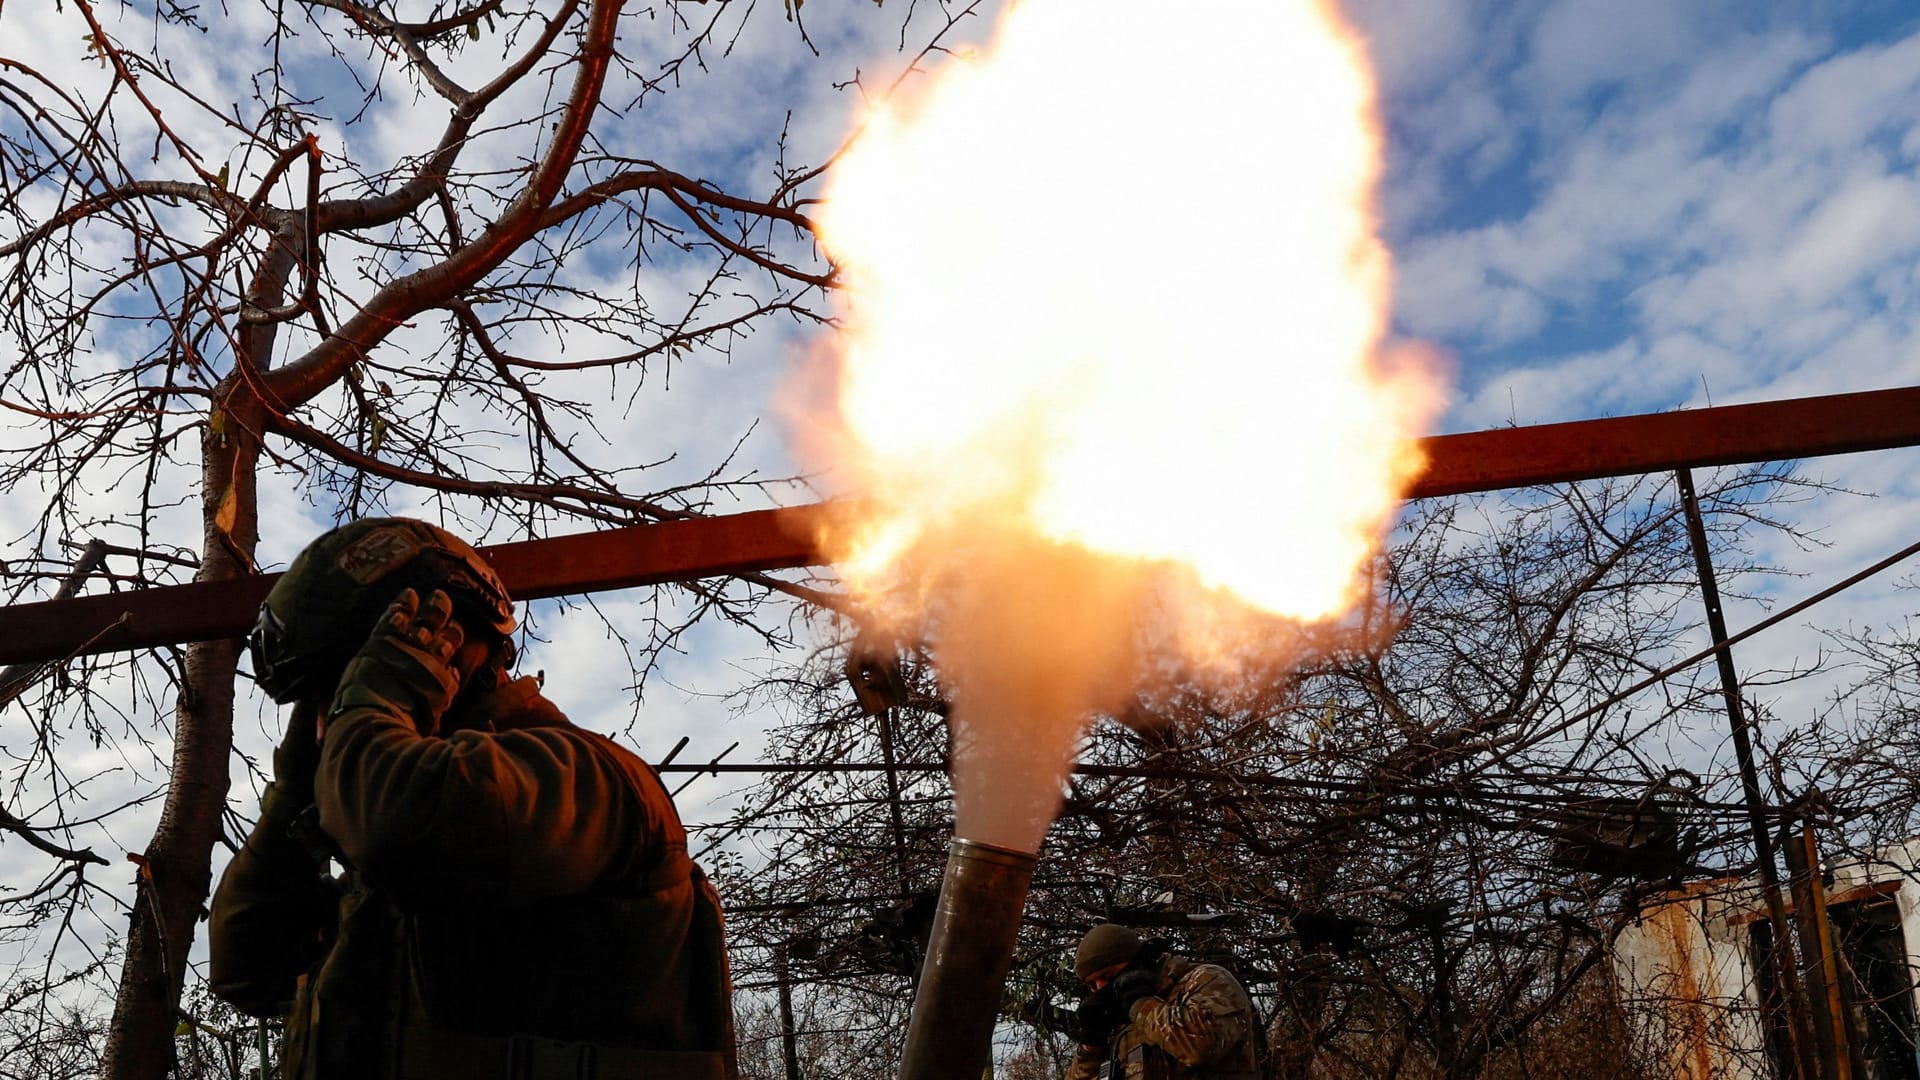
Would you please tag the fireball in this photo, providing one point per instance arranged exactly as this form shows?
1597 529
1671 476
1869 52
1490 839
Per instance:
1115 330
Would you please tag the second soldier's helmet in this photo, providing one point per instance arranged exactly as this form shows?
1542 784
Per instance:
321 610
1106 945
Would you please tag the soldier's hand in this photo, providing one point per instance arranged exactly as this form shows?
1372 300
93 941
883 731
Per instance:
1097 1018
1131 985
406 666
294 763
298 754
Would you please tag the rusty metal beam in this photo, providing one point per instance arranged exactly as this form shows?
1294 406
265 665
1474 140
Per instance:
1661 442
777 539
532 570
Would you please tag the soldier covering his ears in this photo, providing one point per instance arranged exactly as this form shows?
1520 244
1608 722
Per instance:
1151 1014
516 902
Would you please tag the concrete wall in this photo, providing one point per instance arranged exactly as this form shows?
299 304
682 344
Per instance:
1685 978
1685 971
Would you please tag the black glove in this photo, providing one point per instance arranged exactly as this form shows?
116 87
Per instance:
1097 1018
294 763
1131 985
405 666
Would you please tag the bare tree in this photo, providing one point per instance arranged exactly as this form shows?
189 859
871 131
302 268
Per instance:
1863 753
279 277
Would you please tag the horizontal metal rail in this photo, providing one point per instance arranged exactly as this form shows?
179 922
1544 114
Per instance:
532 569
1661 442
780 539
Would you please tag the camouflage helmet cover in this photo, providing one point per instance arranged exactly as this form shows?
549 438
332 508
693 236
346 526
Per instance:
322 609
1104 946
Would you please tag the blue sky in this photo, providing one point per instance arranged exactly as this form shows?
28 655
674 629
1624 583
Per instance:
1619 207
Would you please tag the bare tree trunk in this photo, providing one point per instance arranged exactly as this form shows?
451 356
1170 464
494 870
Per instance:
176 872
789 1045
175 877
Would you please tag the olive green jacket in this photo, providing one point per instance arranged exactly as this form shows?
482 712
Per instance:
1198 1025
518 877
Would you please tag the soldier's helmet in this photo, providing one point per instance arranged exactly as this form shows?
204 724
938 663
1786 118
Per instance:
1104 946
323 608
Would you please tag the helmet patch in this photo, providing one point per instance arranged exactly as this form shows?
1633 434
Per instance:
378 554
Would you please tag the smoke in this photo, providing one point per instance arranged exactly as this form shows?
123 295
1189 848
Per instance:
1034 638
1031 637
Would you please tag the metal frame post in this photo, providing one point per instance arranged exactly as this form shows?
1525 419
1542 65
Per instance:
1776 962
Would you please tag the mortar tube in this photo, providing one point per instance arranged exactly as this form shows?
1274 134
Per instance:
982 895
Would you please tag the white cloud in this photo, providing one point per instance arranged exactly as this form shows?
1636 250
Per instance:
1761 204
1839 105
1720 218
1592 384
1813 259
1579 46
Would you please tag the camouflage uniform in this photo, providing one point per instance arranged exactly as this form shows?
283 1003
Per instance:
1198 1025
517 903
